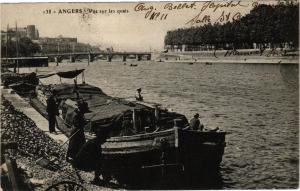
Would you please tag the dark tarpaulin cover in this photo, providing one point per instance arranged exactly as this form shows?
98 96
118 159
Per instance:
101 105
108 112
69 74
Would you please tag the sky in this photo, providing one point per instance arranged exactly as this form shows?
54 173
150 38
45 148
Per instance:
126 29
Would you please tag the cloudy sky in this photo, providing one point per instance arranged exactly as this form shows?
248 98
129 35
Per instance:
126 29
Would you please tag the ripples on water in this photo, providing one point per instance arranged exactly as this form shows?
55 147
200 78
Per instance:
256 104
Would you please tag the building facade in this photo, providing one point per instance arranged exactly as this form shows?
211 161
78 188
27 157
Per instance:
48 45
12 33
63 45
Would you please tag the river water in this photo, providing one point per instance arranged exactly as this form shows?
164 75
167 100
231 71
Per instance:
257 104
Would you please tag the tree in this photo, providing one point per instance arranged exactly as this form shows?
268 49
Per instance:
274 24
25 47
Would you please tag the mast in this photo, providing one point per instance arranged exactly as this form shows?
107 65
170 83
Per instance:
17 47
6 53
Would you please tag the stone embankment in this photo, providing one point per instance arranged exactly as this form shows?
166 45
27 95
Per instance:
243 56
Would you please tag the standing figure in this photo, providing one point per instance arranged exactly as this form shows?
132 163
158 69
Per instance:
89 157
139 97
77 139
195 123
52 110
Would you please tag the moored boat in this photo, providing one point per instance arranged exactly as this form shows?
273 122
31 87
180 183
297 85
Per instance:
23 84
142 138
8 78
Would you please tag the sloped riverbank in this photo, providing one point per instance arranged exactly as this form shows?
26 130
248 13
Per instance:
34 144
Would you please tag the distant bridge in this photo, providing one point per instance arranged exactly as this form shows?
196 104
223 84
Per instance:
58 57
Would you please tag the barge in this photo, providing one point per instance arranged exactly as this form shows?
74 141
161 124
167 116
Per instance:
144 141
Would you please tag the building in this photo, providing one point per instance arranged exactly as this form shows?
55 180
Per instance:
59 39
63 45
30 32
48 45
57 45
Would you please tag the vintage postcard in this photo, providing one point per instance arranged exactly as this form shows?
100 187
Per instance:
150 95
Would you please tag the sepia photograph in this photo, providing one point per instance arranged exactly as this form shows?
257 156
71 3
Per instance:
149 95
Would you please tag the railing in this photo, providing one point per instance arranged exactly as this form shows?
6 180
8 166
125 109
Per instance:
98 53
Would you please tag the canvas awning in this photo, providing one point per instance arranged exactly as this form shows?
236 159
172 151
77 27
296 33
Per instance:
69 74
63 74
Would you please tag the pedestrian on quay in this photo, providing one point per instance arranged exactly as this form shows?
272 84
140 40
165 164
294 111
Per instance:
77 139
52 110
195 123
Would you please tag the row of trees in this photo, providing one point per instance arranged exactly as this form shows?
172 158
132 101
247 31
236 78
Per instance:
24 47
274 24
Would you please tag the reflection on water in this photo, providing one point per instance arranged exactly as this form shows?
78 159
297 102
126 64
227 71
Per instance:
290 74
204 180
256 104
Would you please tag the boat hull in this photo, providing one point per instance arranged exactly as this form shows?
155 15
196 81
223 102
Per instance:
168 153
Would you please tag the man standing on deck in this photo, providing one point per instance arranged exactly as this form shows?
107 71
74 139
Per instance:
139 97
52 110
195 123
